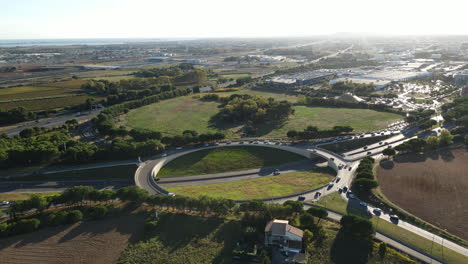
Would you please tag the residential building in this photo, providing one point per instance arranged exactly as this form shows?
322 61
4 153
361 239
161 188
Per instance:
287 237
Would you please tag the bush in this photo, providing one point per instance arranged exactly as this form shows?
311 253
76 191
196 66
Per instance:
74 216
25 226
98 212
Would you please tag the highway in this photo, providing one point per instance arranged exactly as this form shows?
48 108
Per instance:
345 167
49 122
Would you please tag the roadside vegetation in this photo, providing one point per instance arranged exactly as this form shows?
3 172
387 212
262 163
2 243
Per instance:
123 172
227 159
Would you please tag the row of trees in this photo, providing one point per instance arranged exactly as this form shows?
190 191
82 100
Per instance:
319 101
16 115
457 111
432 142
364 181
312 132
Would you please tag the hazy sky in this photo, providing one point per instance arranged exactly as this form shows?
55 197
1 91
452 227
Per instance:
221 18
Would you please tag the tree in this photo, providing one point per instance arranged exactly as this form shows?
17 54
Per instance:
132 193
364 185
307 221
295 206
74 216
292 134
98 212
357 227
445 137
318 212
389 152
307 239
382 250
466 139
432 142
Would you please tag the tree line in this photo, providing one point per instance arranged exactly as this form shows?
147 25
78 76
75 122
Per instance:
365 181
330 102
312 132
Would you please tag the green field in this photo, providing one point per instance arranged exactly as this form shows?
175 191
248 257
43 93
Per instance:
172 117
335 202
261 188
48 104
22 196
227 159
116 172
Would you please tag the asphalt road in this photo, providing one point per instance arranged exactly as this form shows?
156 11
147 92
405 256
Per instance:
235 175
49 122
60 186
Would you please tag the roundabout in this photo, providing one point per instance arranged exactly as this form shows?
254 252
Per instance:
290 180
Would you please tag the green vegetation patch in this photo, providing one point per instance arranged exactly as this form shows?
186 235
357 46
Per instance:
227 159
116 172
12 196
261 188
185 239
47 104
335 202
172 117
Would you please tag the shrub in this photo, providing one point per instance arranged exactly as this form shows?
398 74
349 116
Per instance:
74 216
98 212
25 226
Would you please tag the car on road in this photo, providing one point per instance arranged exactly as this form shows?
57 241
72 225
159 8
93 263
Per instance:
394 218
278 143
330 185
349 168
164 155
345 189
178 148
216 143
301 198
317 194
340 190
377 211
256 142
276 172
369 152
5 203
363 204
229 142
241 142
365 147
338 179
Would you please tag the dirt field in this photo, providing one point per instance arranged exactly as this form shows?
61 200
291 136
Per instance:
84 243
432 187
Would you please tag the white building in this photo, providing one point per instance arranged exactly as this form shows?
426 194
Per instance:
287 237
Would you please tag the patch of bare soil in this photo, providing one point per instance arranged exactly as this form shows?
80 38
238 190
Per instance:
85 243
432 186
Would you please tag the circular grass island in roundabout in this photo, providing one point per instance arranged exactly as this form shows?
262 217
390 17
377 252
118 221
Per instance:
242 173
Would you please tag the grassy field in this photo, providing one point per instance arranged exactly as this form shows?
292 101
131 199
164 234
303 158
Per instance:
22 196
227 159
261 188
47 104
335 202
116 172
172 117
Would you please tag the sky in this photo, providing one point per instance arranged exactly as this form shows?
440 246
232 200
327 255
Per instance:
32 19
